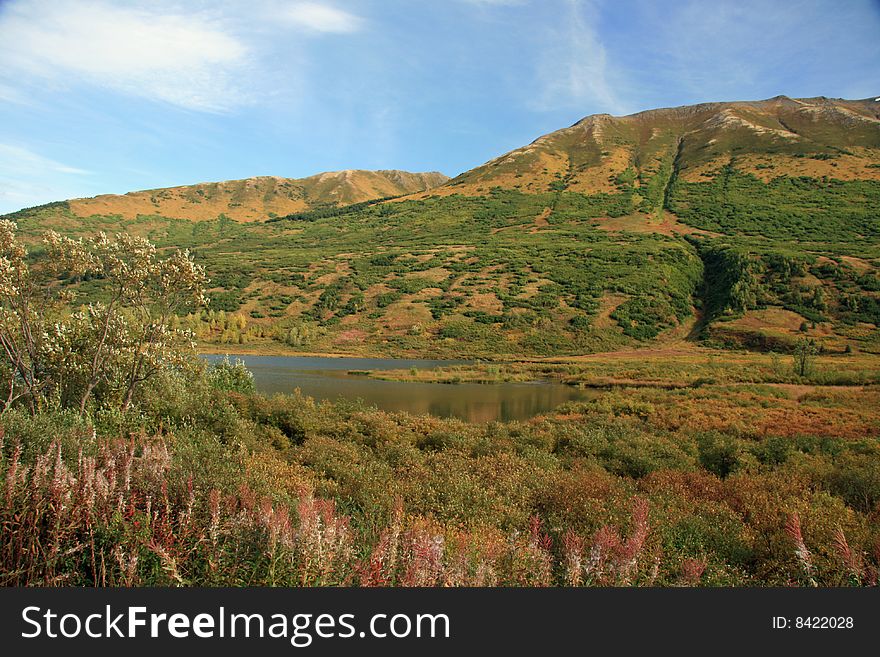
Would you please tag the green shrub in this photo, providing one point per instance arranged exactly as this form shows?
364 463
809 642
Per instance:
231 377
719 454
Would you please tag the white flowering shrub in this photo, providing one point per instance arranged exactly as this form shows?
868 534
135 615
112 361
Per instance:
231 377
100 353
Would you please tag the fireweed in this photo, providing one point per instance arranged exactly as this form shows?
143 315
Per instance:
123 518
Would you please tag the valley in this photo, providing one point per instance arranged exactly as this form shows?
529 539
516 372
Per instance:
696 290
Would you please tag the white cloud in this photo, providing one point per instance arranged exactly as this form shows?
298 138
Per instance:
10 95
321 18
19 160
209 58
573 70
184 59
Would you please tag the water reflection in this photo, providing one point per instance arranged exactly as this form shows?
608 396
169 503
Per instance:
328 378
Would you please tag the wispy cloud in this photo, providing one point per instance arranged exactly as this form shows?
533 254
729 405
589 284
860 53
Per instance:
320 18
20 160
10 95
183 59
573 69
209 57
27 178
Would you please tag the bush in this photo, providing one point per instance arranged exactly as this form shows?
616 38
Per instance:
103 352
231 377
719 454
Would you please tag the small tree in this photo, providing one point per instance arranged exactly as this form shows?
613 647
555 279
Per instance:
229 376
804 356
23 306
111 345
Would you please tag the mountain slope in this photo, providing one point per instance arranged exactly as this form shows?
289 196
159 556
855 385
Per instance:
781 136
750 224
254 199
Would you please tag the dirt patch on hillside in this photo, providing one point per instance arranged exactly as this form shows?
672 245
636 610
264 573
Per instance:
435 274
668 224
858 264
767 167
607 305
773 318
532 288
600 179
542 220
403 315
485 301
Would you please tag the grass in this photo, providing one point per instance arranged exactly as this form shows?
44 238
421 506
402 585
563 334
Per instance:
203 486
684 366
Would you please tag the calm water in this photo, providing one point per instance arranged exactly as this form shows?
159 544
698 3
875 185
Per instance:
328 378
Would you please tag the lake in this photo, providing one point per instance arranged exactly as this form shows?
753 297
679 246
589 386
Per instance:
328 378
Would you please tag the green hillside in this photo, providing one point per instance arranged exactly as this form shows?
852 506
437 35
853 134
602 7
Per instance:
687 223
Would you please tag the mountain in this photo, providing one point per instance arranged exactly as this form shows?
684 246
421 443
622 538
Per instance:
743 224
781 136
257 198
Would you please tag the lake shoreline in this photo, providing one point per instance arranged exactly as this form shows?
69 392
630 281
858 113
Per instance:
277 349
415 386
680 367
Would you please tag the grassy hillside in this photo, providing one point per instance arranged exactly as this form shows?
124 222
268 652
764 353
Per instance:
745 224
257 198
479 276
777 137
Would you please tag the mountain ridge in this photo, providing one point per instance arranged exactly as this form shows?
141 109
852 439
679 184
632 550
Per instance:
258 197
589 154
751 224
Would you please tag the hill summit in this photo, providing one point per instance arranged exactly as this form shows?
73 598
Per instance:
780 136
260 197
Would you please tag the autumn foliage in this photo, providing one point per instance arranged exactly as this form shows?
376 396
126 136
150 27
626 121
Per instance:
124 461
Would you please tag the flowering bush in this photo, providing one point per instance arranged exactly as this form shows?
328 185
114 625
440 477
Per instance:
103 351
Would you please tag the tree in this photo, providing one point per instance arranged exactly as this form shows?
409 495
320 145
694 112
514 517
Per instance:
22 309
229 376
111 346
804 356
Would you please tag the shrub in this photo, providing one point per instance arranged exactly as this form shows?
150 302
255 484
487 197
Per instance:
231 377
719 454
805 356
107 349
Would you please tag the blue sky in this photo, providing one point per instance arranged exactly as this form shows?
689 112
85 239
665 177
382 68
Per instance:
107 97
